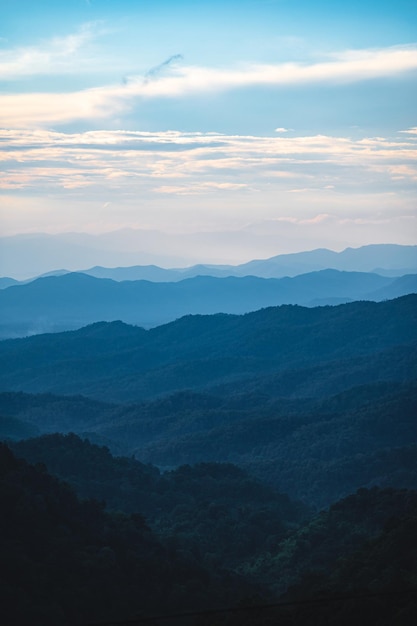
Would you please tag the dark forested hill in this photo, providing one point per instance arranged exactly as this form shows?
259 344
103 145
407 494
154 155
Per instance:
121 363
69 301
66 561
217 510
316 449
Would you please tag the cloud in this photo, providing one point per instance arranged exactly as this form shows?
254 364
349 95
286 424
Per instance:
39 109
57 55
172 162
348 66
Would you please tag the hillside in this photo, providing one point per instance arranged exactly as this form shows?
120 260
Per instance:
364 543
316 450
67 561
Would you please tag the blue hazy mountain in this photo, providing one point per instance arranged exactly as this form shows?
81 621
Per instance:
388 259
7 282
70 301
302 351
129 255
384 259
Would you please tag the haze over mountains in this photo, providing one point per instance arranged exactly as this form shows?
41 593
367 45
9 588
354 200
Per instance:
137 295
28 256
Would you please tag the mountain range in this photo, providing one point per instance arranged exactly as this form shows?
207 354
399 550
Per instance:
315 401
292 347
213 418
72 250
70 301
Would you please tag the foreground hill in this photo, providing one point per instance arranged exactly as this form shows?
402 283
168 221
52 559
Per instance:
215 509
66 561
69 301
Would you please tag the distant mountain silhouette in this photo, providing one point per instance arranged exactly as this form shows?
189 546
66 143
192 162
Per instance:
7 282
379 257
39 254
70 301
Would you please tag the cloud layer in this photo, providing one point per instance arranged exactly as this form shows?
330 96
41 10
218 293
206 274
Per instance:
37 109
105 179
203 160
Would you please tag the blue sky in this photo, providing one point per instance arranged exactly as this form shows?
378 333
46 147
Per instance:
286 117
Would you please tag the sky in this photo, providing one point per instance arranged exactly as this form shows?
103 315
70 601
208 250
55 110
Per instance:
290 122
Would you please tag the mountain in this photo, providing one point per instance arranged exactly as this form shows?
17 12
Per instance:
7 282
66 560
384 259
315 449
174 503
380 258
27 255
315 401
124 363
69 301
129 255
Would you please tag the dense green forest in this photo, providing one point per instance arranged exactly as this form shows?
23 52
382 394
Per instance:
316 450
68 561
212 538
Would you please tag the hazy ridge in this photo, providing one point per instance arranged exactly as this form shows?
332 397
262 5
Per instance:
69 301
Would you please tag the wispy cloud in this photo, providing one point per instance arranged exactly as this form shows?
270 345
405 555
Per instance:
347 66
37 109
53 56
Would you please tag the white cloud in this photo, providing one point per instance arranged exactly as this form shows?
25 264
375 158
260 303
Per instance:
37 109
171 162
348 66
